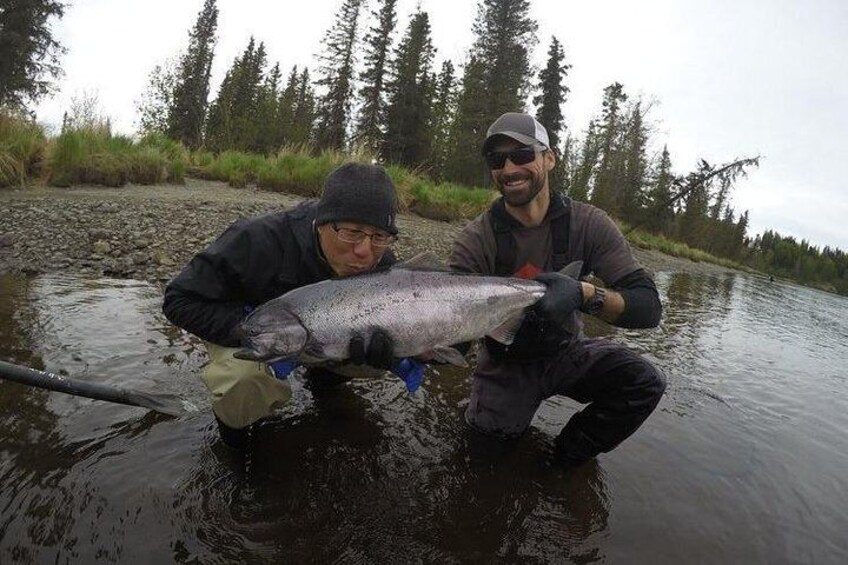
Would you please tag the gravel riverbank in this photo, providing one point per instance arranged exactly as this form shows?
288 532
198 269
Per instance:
150 232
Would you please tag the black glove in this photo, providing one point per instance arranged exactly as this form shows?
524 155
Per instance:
563 297
379 354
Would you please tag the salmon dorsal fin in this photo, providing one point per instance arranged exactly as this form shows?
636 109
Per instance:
423 262
505 333
572 270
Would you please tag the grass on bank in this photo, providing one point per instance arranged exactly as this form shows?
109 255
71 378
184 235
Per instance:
298 170
92 155
22 145
88 154
659 243
294 170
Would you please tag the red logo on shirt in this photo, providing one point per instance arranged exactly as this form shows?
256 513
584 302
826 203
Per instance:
528 271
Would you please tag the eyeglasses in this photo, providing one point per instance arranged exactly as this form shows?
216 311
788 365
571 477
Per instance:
497 159
347 235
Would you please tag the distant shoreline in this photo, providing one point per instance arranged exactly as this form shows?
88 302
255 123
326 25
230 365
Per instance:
148 232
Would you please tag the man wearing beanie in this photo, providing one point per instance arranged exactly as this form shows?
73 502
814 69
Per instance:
533 231
348 231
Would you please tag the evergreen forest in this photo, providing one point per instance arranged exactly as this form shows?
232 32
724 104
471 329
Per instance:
380 89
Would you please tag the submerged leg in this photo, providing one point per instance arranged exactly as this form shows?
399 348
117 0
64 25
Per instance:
621 387
244 392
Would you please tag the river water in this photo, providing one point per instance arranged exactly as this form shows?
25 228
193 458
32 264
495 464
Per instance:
744 461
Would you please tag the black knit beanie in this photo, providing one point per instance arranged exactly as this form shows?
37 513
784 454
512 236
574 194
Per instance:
355 192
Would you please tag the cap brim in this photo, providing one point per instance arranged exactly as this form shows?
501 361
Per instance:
519 137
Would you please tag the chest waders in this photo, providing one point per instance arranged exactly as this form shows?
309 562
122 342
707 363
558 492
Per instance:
536 337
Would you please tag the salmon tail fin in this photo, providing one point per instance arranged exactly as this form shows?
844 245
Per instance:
573 269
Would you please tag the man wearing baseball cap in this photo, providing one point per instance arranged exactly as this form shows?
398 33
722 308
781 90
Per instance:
349 230
534 231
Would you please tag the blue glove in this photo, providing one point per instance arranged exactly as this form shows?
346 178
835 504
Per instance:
282 369
410 371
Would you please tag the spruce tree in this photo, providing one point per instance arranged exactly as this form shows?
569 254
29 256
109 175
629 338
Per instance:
692 224
269 135
286 106
660 213
697 190
444 102
719 201
234 117
607 193
505 35
496 79
219 128
303 121
29 55
586 164
549 101
336 77
377 42
566 165
468 129
246 118
407 137
741 235
634 180
552 93
187 113
723 233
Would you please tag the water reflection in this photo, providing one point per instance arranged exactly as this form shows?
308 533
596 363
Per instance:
19 334
481 511
347 477
689 305
749 438
30 436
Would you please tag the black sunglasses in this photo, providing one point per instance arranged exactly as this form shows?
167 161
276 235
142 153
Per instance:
497 159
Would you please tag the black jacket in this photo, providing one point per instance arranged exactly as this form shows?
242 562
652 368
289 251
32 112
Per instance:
253 261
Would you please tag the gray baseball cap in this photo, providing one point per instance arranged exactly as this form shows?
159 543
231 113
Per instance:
521 127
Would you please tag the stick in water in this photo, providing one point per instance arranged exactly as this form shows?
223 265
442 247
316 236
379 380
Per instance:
164 403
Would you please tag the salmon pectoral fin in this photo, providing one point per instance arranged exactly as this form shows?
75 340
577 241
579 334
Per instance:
314 352
449 355
425 261
247 354
505 333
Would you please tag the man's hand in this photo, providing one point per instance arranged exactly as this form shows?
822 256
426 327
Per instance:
563 297
379 353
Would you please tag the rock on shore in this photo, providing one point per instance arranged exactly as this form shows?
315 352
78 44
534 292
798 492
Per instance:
147 232
150 232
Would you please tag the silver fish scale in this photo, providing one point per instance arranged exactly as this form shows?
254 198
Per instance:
420 310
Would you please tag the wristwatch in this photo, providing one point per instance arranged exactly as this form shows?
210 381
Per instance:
596 303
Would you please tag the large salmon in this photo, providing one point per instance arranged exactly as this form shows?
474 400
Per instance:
424 310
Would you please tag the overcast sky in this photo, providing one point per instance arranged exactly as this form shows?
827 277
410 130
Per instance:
730 78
